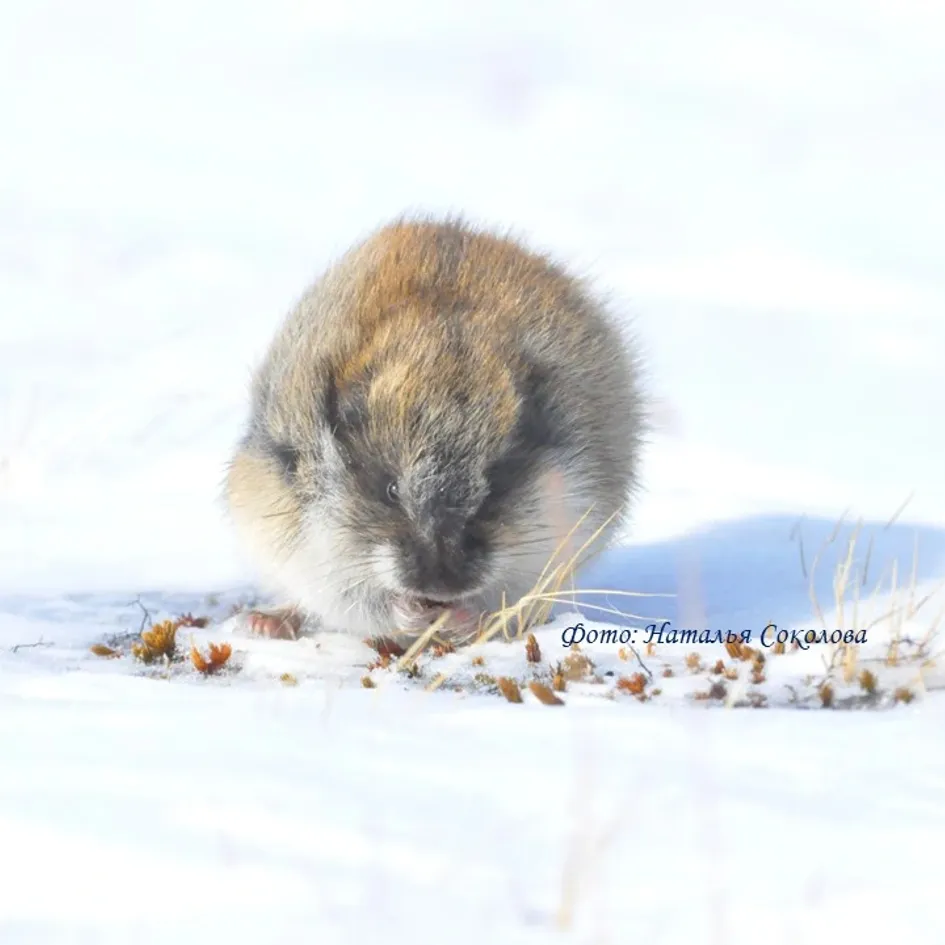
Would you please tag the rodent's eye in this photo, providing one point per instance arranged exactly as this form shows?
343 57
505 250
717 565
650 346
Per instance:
391 493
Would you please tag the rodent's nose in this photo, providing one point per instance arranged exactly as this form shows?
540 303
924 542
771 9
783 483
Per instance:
448 564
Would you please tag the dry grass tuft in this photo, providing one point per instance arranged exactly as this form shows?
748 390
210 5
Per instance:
534 608
160 642
219 655
368 683
904 606
156 644
288 679
826 694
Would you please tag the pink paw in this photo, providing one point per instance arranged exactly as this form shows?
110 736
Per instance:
275 625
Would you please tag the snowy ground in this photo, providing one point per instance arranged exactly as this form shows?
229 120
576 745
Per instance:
762 190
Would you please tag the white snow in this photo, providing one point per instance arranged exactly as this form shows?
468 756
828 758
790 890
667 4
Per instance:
760 187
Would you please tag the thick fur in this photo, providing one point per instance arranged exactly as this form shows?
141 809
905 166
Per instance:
435 415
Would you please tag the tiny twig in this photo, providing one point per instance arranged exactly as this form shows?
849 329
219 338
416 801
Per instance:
795 528
838 526
409 658
866 564
29 646
646 669
898 512
146 614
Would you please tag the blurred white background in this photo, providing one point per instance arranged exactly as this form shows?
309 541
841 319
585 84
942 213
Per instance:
759 185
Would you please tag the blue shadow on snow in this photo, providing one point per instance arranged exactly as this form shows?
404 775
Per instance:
746 573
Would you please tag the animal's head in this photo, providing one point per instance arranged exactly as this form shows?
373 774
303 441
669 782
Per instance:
419 481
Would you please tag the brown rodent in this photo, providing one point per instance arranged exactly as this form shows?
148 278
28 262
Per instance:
438 412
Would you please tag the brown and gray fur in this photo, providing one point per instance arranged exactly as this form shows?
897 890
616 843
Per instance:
488 385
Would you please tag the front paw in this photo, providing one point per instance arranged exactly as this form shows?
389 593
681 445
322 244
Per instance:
278 624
